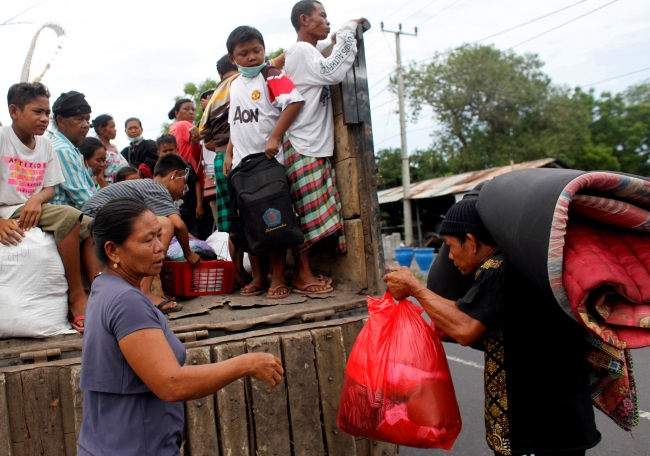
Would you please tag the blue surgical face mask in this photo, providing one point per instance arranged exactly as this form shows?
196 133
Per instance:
251 72
136 139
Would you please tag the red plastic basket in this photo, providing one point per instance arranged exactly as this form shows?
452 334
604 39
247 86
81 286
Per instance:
211 278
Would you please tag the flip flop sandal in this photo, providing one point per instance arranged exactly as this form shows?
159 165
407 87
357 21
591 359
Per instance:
260 290
75 325
176 308
303 290
278 296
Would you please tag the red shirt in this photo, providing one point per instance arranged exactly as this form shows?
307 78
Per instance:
191 154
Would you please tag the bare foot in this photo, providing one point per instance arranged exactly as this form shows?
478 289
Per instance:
309 283
278 290
77 305
157 300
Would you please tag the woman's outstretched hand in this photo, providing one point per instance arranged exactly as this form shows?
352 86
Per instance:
266 367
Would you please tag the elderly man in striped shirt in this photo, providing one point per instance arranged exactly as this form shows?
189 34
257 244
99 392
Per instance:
72 119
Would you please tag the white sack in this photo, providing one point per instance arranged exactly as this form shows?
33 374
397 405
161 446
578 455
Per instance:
33 288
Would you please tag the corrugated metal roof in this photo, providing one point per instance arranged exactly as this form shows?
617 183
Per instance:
458 183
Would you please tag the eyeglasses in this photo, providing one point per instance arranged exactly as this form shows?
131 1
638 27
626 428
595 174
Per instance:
186 188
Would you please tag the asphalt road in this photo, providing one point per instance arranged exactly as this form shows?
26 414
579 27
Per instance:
466 370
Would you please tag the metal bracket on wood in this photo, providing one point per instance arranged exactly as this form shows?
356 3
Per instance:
317 316
192 336
40 356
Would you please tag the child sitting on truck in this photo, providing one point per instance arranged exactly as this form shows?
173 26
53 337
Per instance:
168 184
29 170
263 105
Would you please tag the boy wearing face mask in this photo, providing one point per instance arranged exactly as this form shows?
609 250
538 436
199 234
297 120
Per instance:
263 105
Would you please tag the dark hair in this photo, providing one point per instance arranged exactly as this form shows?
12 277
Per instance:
24 92
88 147
132 119
483 237
166 139
207 93
125 172
177 107
302 7
101 122
114 223
225 66
168 164
242 34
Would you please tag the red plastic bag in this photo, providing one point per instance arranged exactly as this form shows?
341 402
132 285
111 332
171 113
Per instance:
398 387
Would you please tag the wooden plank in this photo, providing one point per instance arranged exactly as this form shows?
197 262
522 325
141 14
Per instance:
231 406
5 431
363 447
330 365
343 141
350 333
77 399
199 414
14 391
358 304
302 388
67 411
383 449
43 421
347 182
272 434
350 267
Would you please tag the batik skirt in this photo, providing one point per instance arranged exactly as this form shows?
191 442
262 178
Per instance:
314 191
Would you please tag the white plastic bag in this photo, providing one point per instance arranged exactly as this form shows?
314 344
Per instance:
219 241
33 288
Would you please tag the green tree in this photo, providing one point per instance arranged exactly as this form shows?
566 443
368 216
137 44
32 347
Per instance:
495 106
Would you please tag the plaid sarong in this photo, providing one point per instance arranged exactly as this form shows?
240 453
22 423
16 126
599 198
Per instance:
313 187
222 197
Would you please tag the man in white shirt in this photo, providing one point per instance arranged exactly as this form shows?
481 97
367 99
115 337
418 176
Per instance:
308 157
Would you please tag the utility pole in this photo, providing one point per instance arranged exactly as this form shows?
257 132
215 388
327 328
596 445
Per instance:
406 171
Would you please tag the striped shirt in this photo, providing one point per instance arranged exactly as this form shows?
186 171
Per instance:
151 192
78 186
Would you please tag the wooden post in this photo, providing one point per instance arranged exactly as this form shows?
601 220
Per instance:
231 406
5 431
67 411
14 389
270 416
43 421
77 399
199 414
330 365
302 388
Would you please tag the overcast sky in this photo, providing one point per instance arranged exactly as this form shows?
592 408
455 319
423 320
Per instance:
130 58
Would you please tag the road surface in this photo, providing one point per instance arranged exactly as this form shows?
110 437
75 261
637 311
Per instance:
466 370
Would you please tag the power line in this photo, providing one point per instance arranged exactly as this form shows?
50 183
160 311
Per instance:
423 8
382 90
399 9
22 12
444 9
383 104
617 77
409 131
530 21
562 25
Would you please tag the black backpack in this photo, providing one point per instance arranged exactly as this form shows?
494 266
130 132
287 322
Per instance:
262 214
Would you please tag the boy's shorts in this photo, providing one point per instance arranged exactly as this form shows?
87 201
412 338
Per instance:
59 221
